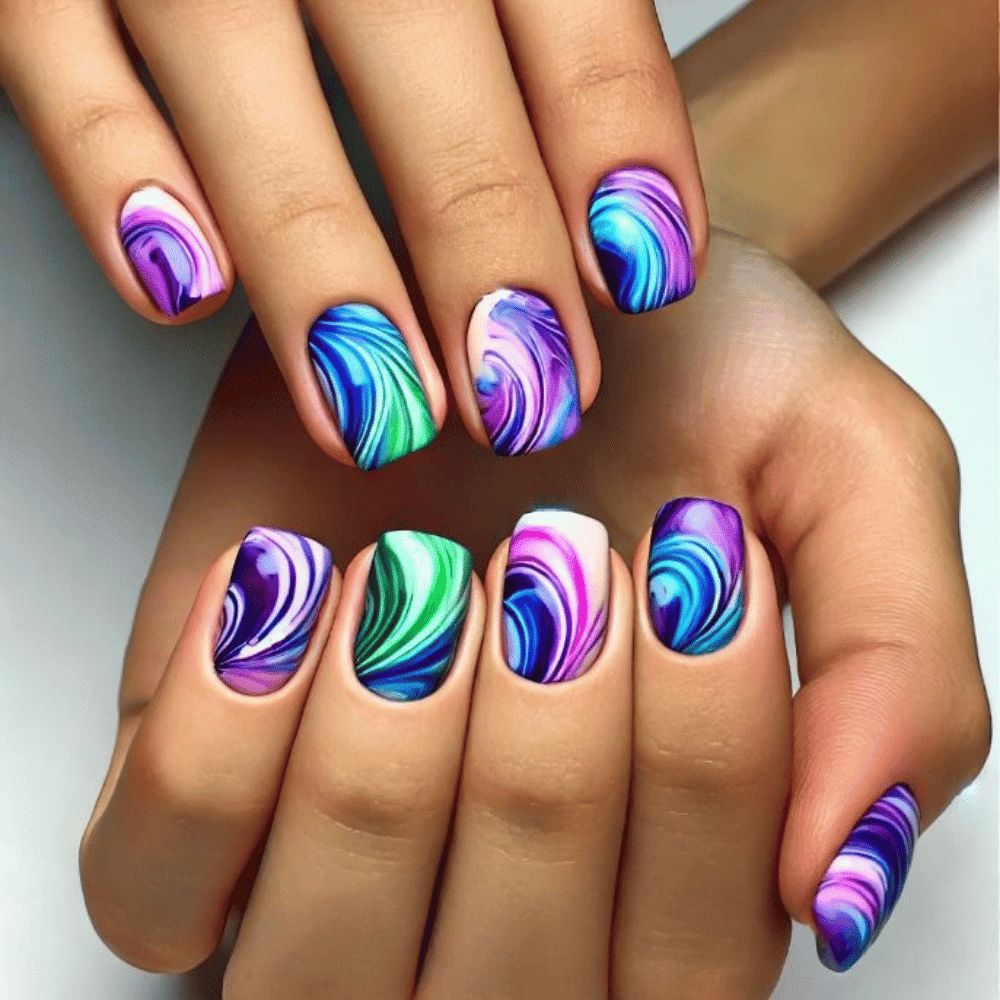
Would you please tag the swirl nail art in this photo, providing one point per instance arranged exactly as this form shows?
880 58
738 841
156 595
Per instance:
523 372
416 599
695 576
865 880
555 595
168 250
641 236
277 585
369 380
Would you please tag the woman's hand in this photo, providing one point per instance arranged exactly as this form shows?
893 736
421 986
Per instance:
749 393
524 146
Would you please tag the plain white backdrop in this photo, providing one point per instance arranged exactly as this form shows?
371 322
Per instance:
97 411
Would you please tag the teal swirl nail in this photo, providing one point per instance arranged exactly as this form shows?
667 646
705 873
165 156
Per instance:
416 599
368 377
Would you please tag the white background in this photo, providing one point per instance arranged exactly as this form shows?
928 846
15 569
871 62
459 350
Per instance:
97 411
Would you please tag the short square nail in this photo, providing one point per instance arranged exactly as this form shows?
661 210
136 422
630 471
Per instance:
168 250
866 878
555 595
523 372
642 240
275 592
416 599
695 576
367 374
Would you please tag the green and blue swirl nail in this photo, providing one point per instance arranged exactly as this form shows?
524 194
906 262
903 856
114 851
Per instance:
416 599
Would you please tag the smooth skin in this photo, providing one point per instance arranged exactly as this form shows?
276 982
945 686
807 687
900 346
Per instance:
843 470
490 123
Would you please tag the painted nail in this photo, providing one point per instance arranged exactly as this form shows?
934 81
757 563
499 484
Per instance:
864 882
555 595
168 250
416 598
369 380
523 372
695 575
641 236
278 583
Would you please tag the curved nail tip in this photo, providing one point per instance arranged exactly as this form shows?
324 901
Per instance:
555 597
523 372
642 239
367 375
169 251
695 575
416 600
861 887
275 592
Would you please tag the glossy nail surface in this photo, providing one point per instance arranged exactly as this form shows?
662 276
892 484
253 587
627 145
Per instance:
555 595
641 237
275 592
416 599
865 880
168 250
367 375
523 372
695 577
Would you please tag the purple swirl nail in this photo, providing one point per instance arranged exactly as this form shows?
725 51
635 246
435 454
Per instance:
523 372
168 250
277 585
865 879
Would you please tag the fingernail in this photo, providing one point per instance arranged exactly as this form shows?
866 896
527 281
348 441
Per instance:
555 595
523 372
641 236
168 250
369 380
864 882
416 598
278 583
695 575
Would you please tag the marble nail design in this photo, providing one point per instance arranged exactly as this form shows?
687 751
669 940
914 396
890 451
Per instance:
555 595
168 250
865 880
641 236
416 598
695 576
277 585
523 372
369 380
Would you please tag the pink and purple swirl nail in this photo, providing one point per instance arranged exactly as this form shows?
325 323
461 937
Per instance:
168 250
865 880
555 595
277 585
523 372
642 240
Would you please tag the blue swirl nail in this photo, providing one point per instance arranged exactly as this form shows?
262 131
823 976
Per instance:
368 377
696 575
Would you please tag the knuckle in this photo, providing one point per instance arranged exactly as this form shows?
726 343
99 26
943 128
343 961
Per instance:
290 211
971 730
99 121
616 86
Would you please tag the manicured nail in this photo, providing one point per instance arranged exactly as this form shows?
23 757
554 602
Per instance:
367 374
278 583
416 598
641 236
168 250
695 575
864 882
523 372
555 595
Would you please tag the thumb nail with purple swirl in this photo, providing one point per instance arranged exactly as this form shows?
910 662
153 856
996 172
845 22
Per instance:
641 238
523 372
695 576
168 250
865 879
555 595
275 592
